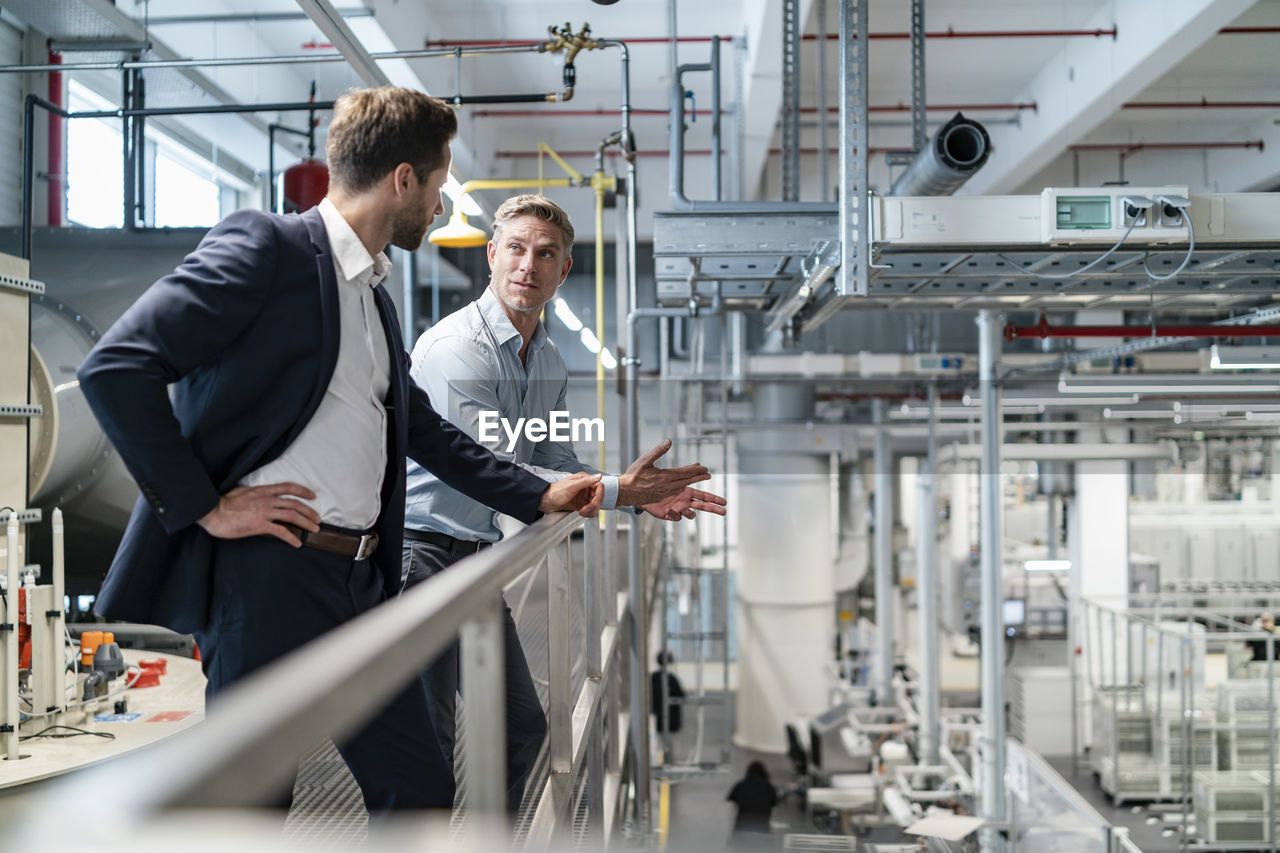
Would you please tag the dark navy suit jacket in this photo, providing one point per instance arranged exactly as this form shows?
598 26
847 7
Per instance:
246 331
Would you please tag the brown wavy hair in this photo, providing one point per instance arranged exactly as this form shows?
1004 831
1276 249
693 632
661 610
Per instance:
375 130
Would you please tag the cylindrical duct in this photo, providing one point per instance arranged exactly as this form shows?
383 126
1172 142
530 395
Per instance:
951 157
305 185
786 587
67 445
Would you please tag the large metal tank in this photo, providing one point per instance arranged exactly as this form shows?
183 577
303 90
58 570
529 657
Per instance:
786 587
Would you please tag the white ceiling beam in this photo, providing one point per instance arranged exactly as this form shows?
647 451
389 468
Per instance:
1086 81
762 85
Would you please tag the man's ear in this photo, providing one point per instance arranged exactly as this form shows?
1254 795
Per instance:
403 178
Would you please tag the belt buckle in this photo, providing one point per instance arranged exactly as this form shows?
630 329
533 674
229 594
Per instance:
368 543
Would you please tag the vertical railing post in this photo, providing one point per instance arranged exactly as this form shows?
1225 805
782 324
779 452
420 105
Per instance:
593 606
559 661
484 710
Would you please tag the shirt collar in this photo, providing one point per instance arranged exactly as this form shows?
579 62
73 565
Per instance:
496 317
353 259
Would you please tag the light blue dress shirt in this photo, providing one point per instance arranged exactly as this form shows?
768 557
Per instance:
469 364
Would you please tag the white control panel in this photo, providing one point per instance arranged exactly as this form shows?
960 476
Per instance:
1104 214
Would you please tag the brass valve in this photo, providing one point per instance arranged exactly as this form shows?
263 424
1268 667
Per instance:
570 42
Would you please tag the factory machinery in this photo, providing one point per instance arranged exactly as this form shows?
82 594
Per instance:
1178 703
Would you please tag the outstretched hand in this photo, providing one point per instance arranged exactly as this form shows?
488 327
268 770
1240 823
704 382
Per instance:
686 504
582 493
262 510
645 483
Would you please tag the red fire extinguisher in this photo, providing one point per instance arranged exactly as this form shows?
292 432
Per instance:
305 185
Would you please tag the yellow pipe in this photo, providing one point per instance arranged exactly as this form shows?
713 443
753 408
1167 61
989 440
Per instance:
664 812
550 152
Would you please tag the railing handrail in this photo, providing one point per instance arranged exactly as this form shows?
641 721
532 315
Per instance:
324 689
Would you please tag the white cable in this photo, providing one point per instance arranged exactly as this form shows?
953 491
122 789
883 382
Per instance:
1191 248
1084 269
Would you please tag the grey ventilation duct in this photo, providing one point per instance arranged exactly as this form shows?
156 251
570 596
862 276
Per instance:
949 158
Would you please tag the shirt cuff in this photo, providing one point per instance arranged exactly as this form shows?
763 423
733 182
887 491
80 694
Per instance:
610 482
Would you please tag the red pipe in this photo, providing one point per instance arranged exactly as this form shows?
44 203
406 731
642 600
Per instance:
1201 104
527 42
1249 31
1128 149
967 108
57 165
1044 330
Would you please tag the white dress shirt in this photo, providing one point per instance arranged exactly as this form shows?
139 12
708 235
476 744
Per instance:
341 454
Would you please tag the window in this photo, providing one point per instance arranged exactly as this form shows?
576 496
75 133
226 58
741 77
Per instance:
187 190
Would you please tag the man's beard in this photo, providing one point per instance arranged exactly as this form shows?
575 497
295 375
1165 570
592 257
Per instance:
409 227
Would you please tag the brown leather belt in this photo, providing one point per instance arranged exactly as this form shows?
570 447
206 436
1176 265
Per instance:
359 547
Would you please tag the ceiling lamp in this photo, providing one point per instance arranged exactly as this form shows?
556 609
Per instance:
1129 384
458 234
1244 358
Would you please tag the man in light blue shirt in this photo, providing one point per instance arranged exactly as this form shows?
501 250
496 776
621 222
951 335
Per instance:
487 366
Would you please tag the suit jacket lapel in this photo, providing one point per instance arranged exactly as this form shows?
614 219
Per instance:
330 320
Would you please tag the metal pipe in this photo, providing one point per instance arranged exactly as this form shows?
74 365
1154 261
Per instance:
249 17
10 639
992 662
716 153
927 592
1203 330
676 154
1202 104
28 190
234 61
824 171
955 152
524 42
882 462
988 34
271 160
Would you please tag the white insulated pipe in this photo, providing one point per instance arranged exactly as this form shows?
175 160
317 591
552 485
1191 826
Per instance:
9 637
883 544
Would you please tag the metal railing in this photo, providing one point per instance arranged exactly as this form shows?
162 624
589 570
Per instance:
248 747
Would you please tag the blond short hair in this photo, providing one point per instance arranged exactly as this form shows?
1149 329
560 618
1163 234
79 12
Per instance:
375 130
539 206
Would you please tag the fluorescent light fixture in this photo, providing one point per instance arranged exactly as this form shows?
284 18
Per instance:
607 359
1244 358
453 190
1167 383
958 412
1007 400
1047 565
566 316
589 340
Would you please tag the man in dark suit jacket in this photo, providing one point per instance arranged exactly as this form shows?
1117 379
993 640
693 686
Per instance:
273 481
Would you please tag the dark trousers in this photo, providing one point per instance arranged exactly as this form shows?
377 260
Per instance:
526 721
270 598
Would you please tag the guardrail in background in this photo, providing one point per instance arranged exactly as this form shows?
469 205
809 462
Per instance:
249 745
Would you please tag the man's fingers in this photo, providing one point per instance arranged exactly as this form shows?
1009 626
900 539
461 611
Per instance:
284 534
282 489
708 497
655 454
706 506
307 517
